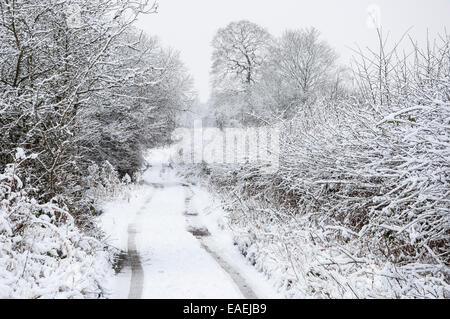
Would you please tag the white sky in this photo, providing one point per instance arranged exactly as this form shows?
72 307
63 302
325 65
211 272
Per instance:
190 25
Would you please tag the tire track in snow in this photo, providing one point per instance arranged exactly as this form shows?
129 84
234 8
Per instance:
134 260
240 282
137 271
245 289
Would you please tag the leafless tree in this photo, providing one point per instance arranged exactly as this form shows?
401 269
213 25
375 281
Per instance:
302 66
239 51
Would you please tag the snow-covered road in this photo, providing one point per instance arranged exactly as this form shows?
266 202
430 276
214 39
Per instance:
162 227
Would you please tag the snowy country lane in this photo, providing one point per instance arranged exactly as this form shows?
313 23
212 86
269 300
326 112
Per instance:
167 254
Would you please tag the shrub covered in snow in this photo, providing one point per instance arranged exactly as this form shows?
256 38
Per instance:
360 204
43 253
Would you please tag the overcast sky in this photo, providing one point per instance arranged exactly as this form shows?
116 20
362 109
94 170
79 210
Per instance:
190 25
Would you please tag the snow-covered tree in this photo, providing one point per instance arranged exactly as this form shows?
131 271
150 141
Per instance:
79 92
257 78
301 68
240 50
141 111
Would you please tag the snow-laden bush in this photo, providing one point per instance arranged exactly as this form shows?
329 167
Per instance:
389 181
382 171
360 204
43 254
104 184
357 209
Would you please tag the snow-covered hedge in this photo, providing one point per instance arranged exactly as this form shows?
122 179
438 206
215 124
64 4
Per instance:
357 208
360 204
43 254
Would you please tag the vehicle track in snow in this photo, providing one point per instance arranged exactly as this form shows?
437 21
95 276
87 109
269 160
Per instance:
168 255
202 234
134 259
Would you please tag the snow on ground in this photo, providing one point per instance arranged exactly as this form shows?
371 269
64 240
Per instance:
221 240
175 265
119 213
114 221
